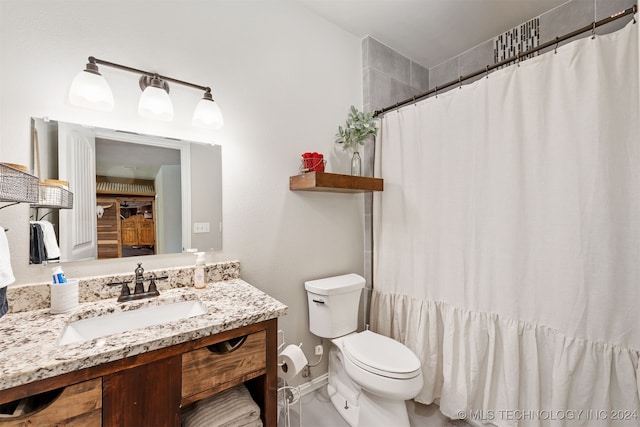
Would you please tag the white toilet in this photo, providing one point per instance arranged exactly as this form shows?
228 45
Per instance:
370 375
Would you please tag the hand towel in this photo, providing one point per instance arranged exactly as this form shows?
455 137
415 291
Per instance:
50 240
37 253
6 273
231 408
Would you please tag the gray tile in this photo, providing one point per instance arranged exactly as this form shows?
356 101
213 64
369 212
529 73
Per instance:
443 73
388 61
367 159
366 86
379 88
365 51
368 237
429 415
368 203
419 77
474 79
565 19
401 91
476 59
372 107
368 272
318 411
369 107
606 8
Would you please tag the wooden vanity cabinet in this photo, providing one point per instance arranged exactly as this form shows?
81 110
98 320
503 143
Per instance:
78 405
151 389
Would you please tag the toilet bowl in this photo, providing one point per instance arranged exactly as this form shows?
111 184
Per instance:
382 366
375 376
370 375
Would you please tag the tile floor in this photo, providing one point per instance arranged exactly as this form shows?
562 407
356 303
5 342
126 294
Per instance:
318 411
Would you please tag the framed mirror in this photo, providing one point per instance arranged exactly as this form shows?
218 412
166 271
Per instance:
132 194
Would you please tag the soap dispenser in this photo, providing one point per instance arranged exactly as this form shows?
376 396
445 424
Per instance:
198 274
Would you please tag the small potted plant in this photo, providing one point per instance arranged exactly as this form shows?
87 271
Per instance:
357 129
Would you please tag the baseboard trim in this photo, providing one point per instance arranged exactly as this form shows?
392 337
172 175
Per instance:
314 384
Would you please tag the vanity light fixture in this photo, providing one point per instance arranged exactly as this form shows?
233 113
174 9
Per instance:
90 90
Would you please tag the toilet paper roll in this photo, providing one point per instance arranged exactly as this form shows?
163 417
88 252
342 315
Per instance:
292 361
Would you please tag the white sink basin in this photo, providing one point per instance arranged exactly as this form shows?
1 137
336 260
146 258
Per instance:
100 326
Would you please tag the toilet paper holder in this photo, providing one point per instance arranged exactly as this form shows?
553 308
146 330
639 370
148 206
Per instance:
284 364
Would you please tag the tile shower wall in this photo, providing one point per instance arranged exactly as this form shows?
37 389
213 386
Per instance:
539 30
387 77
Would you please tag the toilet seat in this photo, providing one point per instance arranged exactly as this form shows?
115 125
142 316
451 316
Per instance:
381 355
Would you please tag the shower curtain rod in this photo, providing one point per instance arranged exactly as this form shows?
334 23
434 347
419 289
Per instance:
517 58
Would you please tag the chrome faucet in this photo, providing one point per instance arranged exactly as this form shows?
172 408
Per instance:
138 291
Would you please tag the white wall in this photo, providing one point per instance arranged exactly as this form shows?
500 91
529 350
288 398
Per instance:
284 79
168 218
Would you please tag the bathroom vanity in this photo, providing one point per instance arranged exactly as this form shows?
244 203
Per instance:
142 376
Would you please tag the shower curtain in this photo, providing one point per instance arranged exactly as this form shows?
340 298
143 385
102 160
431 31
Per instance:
507 239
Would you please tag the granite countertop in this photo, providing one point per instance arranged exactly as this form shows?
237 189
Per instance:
29 340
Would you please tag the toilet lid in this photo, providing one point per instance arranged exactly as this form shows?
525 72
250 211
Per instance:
381 355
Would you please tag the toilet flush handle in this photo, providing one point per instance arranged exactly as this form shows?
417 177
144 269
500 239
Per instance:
319 301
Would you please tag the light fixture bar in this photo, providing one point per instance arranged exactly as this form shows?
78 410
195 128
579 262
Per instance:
94 60
90 90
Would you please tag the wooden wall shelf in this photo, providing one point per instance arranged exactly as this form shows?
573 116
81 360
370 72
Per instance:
332 182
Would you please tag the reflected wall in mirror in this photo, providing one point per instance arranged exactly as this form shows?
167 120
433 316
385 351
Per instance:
132 194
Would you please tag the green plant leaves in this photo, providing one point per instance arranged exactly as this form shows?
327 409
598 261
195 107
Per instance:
358 128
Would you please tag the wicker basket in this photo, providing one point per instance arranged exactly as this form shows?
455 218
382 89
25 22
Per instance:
17 185
54 196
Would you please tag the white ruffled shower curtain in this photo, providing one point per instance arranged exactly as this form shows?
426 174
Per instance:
507 239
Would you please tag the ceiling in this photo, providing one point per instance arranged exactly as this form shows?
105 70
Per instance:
125 160
429 31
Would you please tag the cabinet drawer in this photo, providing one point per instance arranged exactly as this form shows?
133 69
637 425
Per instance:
204 369
78 405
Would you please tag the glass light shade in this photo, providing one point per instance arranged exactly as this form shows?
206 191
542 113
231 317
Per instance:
90 90
155 104
207 115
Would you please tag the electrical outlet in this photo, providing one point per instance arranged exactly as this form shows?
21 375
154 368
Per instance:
319 350
200 227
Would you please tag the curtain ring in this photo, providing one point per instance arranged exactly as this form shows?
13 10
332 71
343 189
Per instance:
487 71
556 49
635 9
593 30
460 82
436 91
414 101
518 59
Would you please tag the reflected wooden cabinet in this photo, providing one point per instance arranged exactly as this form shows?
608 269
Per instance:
138 231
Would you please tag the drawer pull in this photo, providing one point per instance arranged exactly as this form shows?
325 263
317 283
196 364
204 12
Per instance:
227 346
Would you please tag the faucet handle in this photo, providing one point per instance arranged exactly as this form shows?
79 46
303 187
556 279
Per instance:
124 292
153 290
124 282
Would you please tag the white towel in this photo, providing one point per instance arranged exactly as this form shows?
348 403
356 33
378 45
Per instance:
50 240
6 273
230 408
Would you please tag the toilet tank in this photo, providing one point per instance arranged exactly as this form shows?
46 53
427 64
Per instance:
333 304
